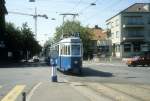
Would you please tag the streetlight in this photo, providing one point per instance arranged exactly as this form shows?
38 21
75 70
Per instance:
31 0
93 4
53 19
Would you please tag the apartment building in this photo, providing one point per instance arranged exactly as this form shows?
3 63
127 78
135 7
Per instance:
130 30
100 45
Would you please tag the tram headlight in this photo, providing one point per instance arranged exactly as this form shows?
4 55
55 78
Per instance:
76 62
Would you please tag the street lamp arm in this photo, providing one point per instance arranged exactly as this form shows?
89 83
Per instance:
45 16
19 13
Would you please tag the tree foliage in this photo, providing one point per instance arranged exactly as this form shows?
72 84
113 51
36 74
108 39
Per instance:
20 40
46 47
70 27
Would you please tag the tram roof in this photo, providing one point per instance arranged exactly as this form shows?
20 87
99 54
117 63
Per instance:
71 39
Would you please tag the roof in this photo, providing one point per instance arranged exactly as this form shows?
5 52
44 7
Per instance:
125 10
98 34
71 39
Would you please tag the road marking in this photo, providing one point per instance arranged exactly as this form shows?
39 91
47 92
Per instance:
13 94
32 91
0 86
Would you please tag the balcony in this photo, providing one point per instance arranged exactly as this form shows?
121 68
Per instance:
133 37
134 25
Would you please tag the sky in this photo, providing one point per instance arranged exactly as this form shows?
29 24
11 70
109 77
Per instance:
88 15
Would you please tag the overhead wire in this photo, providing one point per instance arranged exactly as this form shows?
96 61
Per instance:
90 5
110 6
76 5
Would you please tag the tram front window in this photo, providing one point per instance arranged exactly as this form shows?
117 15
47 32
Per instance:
75 49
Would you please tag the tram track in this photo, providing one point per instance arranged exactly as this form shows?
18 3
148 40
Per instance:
134 91
116 93
145 87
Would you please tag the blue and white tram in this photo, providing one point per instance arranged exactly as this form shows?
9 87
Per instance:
69 55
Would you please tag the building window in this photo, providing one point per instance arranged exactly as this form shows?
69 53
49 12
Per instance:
112 25
117 34
112 35
117 22
135 33
127 47
136 47
109 25
117 48
134 20
148 20
149 33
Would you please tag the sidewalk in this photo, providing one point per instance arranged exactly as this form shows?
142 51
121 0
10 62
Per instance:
60 91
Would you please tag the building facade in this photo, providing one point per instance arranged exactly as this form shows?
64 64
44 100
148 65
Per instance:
100 45
130 31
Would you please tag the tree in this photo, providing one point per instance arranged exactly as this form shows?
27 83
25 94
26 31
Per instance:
31 45
70 27
21 41
13 40
46 47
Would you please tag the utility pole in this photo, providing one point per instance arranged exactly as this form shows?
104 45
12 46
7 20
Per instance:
68 14
35 23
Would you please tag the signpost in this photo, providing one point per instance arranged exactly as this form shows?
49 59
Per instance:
53 62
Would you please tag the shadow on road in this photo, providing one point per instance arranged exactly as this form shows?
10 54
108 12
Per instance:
92 72
22 64
89 72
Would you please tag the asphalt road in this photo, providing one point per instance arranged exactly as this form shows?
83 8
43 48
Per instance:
113 73
27 76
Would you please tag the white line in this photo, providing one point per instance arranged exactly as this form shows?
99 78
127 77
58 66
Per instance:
32 91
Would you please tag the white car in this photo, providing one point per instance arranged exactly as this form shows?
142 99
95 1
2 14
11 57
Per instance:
36 59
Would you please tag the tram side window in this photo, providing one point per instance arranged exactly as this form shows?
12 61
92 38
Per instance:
65 50
75 49
62 50
68 50
57 48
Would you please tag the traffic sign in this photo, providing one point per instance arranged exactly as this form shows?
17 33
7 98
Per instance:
54 54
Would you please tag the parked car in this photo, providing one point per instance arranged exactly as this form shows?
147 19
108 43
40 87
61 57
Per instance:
139 60
36 59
